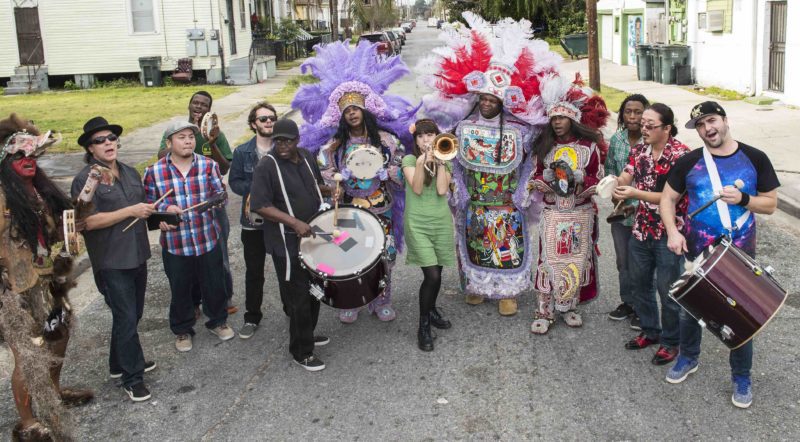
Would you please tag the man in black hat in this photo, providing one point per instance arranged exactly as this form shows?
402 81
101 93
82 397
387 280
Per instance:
702 174
119 257
287 191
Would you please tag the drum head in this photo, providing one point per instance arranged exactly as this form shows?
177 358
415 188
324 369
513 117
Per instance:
364 162
606 186
564 184
359 246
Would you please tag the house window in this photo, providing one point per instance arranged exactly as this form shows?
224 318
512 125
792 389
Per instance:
142 16
242 15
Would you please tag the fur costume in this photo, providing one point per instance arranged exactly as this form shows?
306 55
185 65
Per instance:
490 198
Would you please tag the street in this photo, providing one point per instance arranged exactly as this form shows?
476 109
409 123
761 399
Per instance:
488 378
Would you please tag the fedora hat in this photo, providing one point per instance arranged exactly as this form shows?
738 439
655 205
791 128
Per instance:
95 125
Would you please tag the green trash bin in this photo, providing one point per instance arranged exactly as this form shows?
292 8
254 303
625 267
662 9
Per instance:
576 45
671 57
150 74
655 62
644 62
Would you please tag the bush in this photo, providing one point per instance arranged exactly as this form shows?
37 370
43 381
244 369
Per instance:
70 85
288 30
117 83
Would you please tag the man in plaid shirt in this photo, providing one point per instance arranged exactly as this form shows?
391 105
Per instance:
191 251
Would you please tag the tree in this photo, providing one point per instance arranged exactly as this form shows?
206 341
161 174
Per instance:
558 17
374 14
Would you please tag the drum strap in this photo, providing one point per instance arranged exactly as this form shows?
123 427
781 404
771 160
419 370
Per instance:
289 208
722 207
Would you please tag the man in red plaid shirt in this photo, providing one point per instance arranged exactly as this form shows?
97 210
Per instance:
190 251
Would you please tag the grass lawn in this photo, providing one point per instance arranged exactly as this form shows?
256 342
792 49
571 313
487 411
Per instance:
130 107
555 46
286 65
716 92
285 95
613 97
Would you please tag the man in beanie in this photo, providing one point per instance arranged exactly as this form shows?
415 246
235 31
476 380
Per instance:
702 174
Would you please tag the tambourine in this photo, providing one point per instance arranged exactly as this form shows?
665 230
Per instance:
563 178
208 123
606 186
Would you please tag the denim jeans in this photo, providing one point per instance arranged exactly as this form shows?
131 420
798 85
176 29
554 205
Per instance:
123 291
225 229
646 258
302 308
255 255
741 359
204 271
622 235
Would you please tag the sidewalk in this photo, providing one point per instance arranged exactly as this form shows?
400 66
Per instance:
769 128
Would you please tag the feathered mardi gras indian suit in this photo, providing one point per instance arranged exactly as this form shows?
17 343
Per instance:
493 163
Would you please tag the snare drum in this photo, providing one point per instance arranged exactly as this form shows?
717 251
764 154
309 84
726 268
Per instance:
351 270
729 293
365 161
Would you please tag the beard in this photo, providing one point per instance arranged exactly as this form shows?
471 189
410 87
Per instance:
263 132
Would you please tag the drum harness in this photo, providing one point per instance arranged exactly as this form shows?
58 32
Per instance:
289 208
722 207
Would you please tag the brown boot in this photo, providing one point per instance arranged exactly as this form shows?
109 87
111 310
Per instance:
507 307
74 397
36 432
474 299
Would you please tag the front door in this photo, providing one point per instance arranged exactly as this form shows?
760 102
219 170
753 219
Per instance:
777 45
231 25
29 36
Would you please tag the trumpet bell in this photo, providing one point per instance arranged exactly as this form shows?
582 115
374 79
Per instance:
444 147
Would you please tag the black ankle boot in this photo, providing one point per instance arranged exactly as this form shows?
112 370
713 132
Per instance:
438 321
424 336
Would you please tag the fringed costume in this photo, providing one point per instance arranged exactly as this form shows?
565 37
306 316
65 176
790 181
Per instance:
357 77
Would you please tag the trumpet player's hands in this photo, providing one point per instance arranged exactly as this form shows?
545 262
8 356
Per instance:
625 192
141 210
346 173
382 174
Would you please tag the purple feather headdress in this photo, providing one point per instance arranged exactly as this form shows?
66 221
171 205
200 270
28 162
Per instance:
345 73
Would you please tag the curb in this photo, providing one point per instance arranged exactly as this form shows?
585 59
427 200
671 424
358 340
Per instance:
789 205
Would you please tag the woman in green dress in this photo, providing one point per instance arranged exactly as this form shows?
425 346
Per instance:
428 225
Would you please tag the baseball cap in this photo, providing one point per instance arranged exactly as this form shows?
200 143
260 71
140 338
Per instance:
285 128
177 126
703 109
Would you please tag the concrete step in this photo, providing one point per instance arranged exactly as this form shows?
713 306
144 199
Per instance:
23 70
16 91
23 83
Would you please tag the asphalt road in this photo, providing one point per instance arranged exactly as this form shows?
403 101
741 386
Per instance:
488 378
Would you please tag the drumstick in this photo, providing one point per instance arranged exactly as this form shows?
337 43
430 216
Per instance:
157 201
338 178
194 207
618 205
738 184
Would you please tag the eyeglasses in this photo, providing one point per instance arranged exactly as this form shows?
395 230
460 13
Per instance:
101 140
265 118
651 127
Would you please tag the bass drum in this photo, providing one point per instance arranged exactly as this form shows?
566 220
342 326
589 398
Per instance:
351 270
728 293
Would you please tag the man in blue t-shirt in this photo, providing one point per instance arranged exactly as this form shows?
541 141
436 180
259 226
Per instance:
703 174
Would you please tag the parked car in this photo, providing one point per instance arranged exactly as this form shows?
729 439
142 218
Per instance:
385 46
413 24
400 33
395 41
407 26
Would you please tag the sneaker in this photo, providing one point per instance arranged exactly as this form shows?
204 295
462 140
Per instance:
138 392
636 323
681 370
248 330
319 341
664 355
148 366
742 391
640 342
183 343
223 332
621 312
311 363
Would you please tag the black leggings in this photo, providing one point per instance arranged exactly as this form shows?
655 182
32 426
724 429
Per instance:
429 290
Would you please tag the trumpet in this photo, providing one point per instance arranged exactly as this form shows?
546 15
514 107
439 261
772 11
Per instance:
444 147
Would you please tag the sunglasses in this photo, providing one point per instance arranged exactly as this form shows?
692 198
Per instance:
101 140
651 127
264 118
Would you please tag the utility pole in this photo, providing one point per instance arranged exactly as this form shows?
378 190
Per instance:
594 59
334 5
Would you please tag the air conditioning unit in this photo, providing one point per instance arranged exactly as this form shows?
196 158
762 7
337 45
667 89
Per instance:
715 21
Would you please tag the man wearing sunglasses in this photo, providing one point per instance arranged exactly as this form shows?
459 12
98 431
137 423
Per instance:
217 148
643 179
261 119
119 256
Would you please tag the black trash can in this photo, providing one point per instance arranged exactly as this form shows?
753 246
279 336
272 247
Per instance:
671 57
644 62
683 75
150 74
655 58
